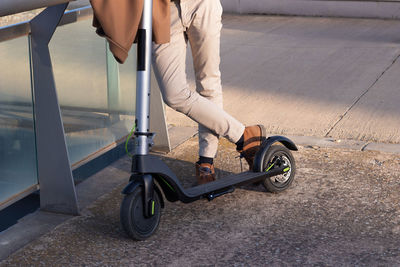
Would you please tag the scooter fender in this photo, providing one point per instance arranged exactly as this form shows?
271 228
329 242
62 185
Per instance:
134 182
147 182
265 146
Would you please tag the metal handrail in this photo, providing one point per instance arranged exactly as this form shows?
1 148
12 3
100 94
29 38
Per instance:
10 7
23 28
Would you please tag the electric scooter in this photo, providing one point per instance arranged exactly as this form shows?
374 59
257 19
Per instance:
274 165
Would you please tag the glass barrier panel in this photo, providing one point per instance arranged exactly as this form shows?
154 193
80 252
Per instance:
17 140
94 115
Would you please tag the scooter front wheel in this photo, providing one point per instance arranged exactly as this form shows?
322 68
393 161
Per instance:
279 157
133 221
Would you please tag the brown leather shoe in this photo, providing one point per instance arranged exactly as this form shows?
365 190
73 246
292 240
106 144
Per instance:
253 136
205 173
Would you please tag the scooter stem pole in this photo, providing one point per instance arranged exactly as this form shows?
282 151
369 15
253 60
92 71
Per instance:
144 48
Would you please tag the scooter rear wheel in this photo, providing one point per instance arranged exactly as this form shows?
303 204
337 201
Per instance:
133 221
277 157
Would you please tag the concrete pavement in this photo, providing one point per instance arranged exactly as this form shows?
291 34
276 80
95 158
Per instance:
323 77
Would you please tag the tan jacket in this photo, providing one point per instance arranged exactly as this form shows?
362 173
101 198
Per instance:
118 21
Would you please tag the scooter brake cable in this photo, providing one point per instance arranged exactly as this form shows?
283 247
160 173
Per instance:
127 140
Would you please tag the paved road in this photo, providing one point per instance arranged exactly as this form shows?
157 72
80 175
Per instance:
342 210
325 77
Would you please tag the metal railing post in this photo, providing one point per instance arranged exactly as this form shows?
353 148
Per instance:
57 189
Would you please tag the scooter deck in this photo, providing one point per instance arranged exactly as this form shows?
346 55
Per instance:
173 189
229 181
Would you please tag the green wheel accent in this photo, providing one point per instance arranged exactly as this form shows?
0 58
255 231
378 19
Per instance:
278 157
152 207
272 165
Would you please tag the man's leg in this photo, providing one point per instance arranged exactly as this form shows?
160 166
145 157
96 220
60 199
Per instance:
202 18
170 71
204 32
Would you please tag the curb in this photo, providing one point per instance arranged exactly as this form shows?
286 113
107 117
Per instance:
345 143
180 134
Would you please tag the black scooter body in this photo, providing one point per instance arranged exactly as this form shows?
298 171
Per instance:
146 166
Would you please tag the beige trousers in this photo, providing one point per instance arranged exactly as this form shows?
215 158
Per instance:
199 22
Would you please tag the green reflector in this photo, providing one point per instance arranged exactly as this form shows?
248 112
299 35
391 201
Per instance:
286 169
152 207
